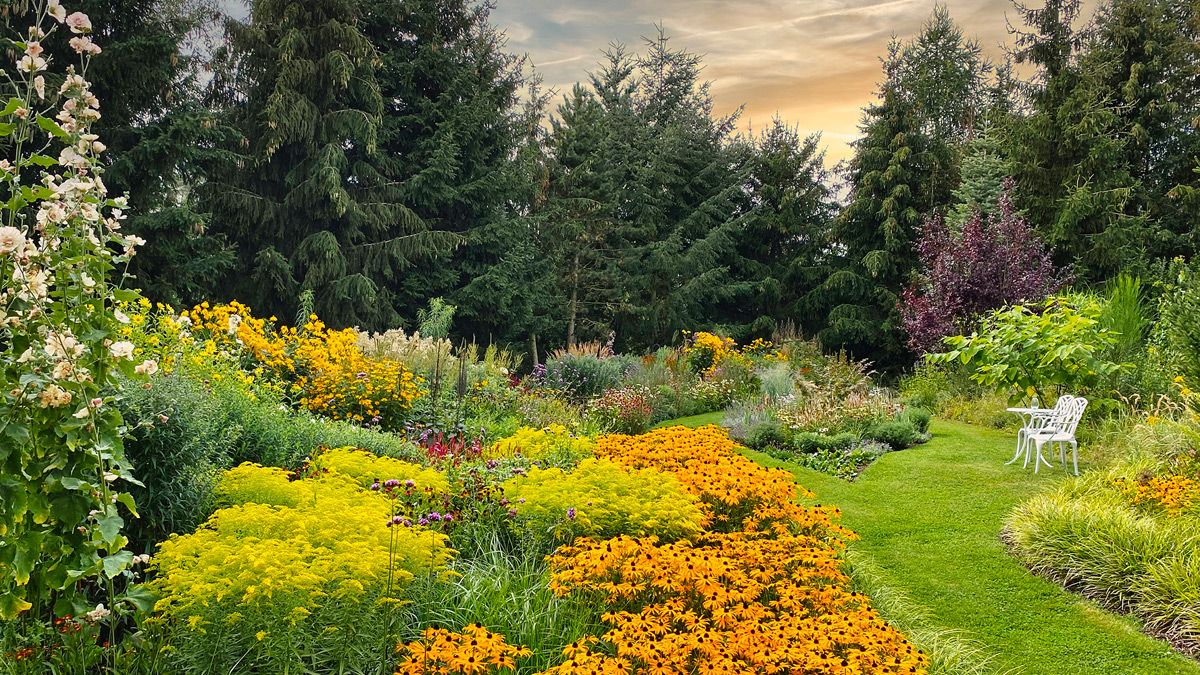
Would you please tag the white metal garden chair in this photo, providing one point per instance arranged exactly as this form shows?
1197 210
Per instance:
1058 430
1035 419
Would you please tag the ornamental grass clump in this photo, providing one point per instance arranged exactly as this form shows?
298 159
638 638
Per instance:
600 498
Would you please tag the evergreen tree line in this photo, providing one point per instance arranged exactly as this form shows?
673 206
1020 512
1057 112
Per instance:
359 157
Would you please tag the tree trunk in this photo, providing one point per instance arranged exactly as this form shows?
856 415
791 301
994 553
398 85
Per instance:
533 348
572 309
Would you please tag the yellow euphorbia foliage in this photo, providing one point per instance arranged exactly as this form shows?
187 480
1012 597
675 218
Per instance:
474 651
302 543
539 443
601 498
736 492
366 467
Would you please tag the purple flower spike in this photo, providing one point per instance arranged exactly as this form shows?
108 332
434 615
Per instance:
504 501
407 522
448 517
422 522
397 520
391 482
435 516
512 512
410 482
375 487
521 500
571 513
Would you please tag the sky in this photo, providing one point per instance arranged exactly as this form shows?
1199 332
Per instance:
814 62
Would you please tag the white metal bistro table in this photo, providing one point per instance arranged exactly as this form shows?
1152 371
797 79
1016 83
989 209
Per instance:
1029 419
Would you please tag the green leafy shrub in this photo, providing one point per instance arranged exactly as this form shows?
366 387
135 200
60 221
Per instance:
919 417
600 498
847 462
584 376
897 434
765 434
1059 343
184 431
808 442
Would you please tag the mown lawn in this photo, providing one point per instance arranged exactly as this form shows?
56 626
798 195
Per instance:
930 519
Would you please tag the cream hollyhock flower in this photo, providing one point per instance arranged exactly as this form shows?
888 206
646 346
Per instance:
34 48
11 239
81 413
56 10
147 367
39 85
121 350
79 22
54 396
98 614
62 370
31 64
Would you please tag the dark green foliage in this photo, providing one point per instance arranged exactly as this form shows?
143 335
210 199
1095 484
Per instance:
451 125
160 136
781 250
764 435
185 431
898 434
876 231
309 204
918 417
1108 136
809 442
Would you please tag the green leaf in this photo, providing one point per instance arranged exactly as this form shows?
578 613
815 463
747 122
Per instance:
11 606
50 126
141 597
110 526
43 160
127 499
117 563
11 106
7 128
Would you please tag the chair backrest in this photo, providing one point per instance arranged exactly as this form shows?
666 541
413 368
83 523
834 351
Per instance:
1071 422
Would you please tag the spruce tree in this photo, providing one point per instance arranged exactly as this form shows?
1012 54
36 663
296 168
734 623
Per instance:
306 203
875 233
783 249
160 136
451 128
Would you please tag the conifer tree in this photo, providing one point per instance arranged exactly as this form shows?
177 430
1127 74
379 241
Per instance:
160 135
451 126
875 233
306 204
782 252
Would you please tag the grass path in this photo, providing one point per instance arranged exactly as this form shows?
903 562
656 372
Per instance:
930 517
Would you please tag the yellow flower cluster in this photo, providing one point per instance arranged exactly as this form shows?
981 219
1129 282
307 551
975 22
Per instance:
365 468
540 443
732 603
706 350
600 498
736 493
474 651
1173 494
285 548
725 603
325 370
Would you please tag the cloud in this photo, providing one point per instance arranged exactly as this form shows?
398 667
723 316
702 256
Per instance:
814 62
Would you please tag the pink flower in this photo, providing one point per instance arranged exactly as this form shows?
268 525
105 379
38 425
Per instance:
79 23
84 44
11 239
